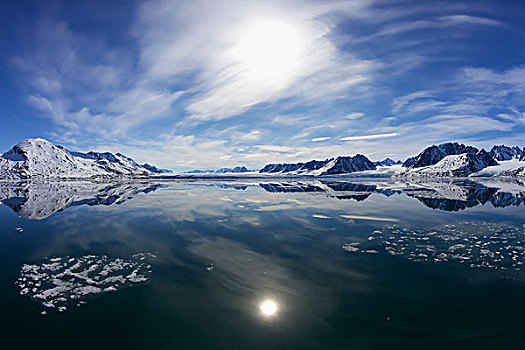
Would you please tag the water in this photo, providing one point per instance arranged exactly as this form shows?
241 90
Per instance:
190 264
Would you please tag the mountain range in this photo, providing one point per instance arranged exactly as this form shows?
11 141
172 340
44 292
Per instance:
445 160
39 158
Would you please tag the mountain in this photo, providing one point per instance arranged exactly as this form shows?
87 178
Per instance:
289 167
463 164
40 158
433 154
237 169
345 165
333 166
156 170
407 163
387 162
501 152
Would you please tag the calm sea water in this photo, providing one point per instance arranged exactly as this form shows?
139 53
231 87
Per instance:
286 264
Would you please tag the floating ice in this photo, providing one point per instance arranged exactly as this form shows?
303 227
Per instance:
351 247
480 244
62 282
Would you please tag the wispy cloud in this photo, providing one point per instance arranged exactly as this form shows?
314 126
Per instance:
369 137
319 139
354 115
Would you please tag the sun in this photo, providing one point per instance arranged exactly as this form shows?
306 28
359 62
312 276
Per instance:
268 308
270 50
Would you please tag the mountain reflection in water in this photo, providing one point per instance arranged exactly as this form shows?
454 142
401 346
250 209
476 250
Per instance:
40 200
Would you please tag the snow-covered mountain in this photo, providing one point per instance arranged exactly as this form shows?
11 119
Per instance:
507 168
433 154
463 164
460 160
333 166
40 158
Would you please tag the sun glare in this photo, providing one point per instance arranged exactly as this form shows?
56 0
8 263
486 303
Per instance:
270 50
268 308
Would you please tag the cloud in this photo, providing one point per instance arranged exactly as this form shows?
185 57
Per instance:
354 115
201 37
465 124
369 137
442 22
274 148
319 139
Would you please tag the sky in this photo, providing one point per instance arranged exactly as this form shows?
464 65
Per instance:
208 84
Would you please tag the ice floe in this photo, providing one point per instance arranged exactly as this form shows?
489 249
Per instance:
477 244
63 282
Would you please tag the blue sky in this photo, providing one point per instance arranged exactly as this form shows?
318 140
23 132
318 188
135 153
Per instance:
206 84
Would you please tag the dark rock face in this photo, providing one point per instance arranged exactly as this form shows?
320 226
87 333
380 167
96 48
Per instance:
479 160
287 167
16 154
407 163
502 152
154 169
344 165
237 169
339 165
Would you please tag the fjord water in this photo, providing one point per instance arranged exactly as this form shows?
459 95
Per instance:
188 264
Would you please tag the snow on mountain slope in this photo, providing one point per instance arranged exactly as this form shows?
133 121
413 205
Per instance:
433 154
513 167
40 158
156 170
455 165
345 165
383 171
